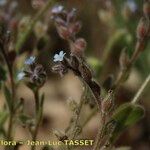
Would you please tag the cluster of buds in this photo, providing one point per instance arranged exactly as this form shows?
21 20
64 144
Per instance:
67 28
34 72
79 68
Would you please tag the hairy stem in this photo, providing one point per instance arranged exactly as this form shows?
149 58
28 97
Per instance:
38 116
10 71
140 91
79 112
100 134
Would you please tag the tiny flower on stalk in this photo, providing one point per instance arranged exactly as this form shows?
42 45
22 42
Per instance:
35 73
59 57
30 60
57 9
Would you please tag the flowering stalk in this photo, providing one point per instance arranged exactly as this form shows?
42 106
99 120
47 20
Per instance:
38 115
36 77
143 34
140 91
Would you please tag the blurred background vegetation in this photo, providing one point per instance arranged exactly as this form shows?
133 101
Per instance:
108 27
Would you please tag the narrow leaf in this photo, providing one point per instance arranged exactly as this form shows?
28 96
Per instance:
125 116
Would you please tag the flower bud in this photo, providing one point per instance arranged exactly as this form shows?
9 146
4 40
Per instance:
77 48
59 21
71 15
142 29
63 32
75 27
60 68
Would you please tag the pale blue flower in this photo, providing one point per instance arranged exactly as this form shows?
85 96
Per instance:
57 9
59 57
30 60
132 5
20 75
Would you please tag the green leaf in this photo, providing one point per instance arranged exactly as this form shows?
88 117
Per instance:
8 97
2 74
125 116
136 114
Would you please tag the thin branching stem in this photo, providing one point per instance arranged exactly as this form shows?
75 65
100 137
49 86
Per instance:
140 91
38 116
10 71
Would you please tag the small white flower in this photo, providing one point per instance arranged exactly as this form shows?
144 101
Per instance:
30 60
132 5
59 57
20 75
57 9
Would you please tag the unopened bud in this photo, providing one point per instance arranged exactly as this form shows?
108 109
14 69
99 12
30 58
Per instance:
75 27
142 29
63 32
77 48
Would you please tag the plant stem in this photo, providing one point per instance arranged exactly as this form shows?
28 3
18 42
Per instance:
10 71
82 100
38 116
140 91
38 16
100 134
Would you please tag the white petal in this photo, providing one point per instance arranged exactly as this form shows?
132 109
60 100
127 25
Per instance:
61 53
56 56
